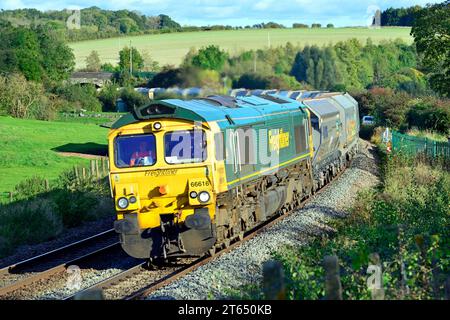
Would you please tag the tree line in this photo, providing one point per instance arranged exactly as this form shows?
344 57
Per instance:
96 23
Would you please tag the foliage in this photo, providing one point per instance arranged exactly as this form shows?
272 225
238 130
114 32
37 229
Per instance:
24 99
108 97
133 99
399 110
405 221
430 114
40 214
300 26
125 59
210 57
399 16
167 77
80 97
39 53
95 22
93 63
431 32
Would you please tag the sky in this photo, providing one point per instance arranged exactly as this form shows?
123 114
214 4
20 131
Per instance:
236 12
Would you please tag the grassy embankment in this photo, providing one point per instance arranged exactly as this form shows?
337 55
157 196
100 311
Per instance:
405 220
29 155
30 147
172 47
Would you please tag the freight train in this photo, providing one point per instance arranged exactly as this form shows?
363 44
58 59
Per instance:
190 176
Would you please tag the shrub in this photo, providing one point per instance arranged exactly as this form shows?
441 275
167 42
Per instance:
27 222
29 188
133 99
108 97
80 97
20 98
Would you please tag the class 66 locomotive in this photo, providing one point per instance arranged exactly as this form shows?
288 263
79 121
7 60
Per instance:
189 177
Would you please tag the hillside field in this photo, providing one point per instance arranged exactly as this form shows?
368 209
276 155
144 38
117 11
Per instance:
170 48
30 148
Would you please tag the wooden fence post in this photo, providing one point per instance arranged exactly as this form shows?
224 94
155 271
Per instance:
103 167
47 185
273 280
333 288
75 169
97 173
83 170
92 168
11 196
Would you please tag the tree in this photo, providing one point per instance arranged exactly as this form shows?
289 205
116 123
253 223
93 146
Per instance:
211 58
58 59
21 98
330 25
431 32
150 65
124 60
93 63
39 53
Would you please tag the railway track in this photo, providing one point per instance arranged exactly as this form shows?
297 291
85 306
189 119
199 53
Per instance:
135 282
120 286
28 272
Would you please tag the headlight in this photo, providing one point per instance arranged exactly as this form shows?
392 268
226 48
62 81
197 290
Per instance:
122 203
133 199
193 194
204 197
157 126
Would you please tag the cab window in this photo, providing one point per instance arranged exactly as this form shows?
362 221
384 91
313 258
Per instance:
186 146
135 150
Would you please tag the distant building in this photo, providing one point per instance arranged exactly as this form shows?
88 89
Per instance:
99 79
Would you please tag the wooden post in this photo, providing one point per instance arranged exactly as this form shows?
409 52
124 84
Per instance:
83 170
103 167
97 173
11 196
75 169
333 288
92 168
47 185
273 280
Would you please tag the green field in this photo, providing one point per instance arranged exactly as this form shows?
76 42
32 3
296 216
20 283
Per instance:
29 148
172 47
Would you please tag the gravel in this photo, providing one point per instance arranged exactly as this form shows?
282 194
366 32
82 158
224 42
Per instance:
243 265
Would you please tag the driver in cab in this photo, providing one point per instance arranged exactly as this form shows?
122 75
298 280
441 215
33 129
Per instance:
143 157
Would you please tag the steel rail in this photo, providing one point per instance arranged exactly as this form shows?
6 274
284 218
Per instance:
182 271
20 267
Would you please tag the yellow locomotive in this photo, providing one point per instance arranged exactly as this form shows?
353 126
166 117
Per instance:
188 177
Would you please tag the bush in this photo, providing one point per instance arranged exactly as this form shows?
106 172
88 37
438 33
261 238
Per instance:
133 99
108 97
39 214
28 222
20 98
29 188
430 114
80 97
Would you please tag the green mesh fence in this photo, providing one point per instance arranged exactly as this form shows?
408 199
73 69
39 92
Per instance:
415 146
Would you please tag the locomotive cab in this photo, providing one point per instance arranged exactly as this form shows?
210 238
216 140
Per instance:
162 185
